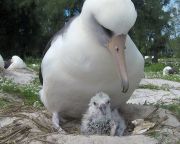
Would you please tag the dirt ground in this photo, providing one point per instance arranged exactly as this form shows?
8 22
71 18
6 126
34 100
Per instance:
28 124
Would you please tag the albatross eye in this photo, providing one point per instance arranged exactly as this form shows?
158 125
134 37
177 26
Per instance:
94 103
107 31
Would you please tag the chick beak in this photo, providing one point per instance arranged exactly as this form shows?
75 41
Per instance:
116 47
102 108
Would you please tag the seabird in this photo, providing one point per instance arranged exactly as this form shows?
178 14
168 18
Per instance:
16 63
168 70
100 119
90 54
1 64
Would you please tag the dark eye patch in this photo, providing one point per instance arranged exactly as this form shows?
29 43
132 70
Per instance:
108 102
107 31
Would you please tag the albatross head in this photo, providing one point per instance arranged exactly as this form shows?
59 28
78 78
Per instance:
117 17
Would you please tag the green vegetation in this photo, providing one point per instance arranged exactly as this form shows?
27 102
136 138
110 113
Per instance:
156 67
32 63
27 25
155 70
4 103
159 75
154 87
29 93
154 134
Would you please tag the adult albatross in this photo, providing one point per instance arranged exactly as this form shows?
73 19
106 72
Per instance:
88 56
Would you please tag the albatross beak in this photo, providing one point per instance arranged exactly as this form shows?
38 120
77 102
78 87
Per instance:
116 47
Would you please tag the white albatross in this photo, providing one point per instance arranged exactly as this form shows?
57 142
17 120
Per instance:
1 62
88 56
1 65
16 63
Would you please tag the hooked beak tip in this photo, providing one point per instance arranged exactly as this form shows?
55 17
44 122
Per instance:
125 86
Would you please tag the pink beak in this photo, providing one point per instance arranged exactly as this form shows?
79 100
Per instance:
116 47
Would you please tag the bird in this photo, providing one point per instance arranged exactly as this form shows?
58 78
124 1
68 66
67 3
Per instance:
1 65
99 119
91 53
15 63
168 70
7 63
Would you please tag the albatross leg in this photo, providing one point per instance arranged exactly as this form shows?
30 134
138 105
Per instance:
56 120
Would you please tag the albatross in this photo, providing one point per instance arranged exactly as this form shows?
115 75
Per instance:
16 63
92 53
1 64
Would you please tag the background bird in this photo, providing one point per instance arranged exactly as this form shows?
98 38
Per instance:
100 119
168 70
1 65
16 63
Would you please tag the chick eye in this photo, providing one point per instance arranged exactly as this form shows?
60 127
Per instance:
108 102
94 103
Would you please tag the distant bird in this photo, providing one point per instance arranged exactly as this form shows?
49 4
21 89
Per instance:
16 63
146 57
91 53
100 119
1 64
168 70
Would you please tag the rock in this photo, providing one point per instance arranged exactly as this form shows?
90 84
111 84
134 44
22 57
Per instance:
169 136
69 139
160 83
171 120
132 111
147 96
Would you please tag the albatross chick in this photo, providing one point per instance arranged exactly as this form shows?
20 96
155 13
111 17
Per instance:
100 119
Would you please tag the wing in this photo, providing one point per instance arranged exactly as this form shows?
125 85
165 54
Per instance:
61 32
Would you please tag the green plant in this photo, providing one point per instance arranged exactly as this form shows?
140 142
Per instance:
157 67
29 93
4 103
33 64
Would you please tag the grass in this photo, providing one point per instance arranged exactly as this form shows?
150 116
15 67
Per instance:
29 93
155 134
157 67
153 87
156 70
4 103
159 75
33 63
